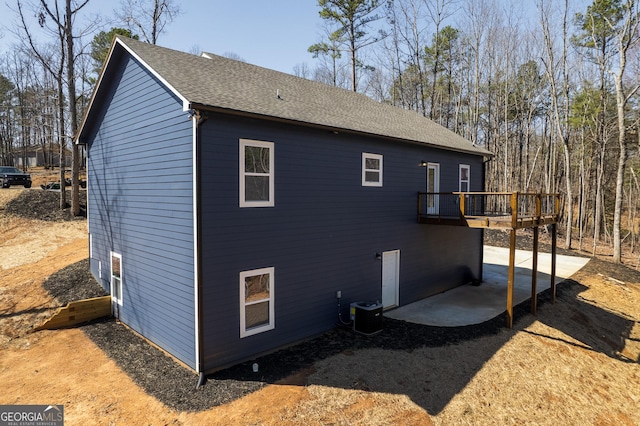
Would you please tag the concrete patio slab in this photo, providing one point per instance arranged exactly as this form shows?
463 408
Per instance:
467 304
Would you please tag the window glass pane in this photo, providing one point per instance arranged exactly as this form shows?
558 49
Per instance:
431 180
464 173
464 186
257 314
256 288
371 169
115 266
256 159
372 164
372 176
256 188
115 291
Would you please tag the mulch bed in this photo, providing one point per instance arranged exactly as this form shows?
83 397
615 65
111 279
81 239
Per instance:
74 282
524 240
609 269
45 205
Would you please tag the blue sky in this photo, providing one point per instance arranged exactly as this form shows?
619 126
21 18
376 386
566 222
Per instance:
273 34
270 33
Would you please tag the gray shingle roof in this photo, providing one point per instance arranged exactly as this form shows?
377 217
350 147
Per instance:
218 82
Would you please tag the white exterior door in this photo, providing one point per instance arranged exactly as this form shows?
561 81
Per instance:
390 278
433 185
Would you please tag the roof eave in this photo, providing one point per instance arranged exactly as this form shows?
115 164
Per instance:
198 106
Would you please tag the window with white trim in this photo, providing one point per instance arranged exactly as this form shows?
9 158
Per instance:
116 277
256 173
371 169
465 178
256 301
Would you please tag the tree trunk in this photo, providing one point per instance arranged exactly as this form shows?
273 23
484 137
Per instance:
627 37
73 113
622 161
598 208
581 210
61 142
569 189
352 48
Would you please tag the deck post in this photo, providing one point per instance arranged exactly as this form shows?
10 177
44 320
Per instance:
534 272
534 269
510 282
514 210
553 261
461 203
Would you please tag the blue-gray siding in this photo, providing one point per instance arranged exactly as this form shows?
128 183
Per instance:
324 231
141 206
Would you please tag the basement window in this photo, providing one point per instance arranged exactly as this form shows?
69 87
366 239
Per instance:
371 169
116 278
256 301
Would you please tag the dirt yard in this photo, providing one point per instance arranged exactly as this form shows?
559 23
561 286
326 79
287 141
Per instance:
576 362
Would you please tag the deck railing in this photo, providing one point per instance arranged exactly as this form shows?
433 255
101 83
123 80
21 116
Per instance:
485 209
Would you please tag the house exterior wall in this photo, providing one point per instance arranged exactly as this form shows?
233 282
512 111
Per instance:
323 232
36 158
140 205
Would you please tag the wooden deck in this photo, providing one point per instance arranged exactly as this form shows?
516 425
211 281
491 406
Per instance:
505 210
510 210
487 221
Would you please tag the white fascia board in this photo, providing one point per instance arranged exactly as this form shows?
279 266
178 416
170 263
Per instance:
186 105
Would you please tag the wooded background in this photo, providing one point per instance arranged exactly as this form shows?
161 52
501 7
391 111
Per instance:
550 87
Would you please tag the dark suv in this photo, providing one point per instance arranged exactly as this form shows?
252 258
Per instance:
12 176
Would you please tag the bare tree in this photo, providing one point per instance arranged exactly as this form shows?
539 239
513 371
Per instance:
558 69
330 51
56 69
481 38
63 21
439 10
7 90
596 39
410 30
234 56
302 70
626 37
148 17
476 30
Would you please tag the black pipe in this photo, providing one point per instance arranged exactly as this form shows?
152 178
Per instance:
202 379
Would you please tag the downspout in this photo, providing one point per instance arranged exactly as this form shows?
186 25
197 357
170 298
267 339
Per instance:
197 121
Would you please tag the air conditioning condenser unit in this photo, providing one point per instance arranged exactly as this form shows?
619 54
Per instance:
366 317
